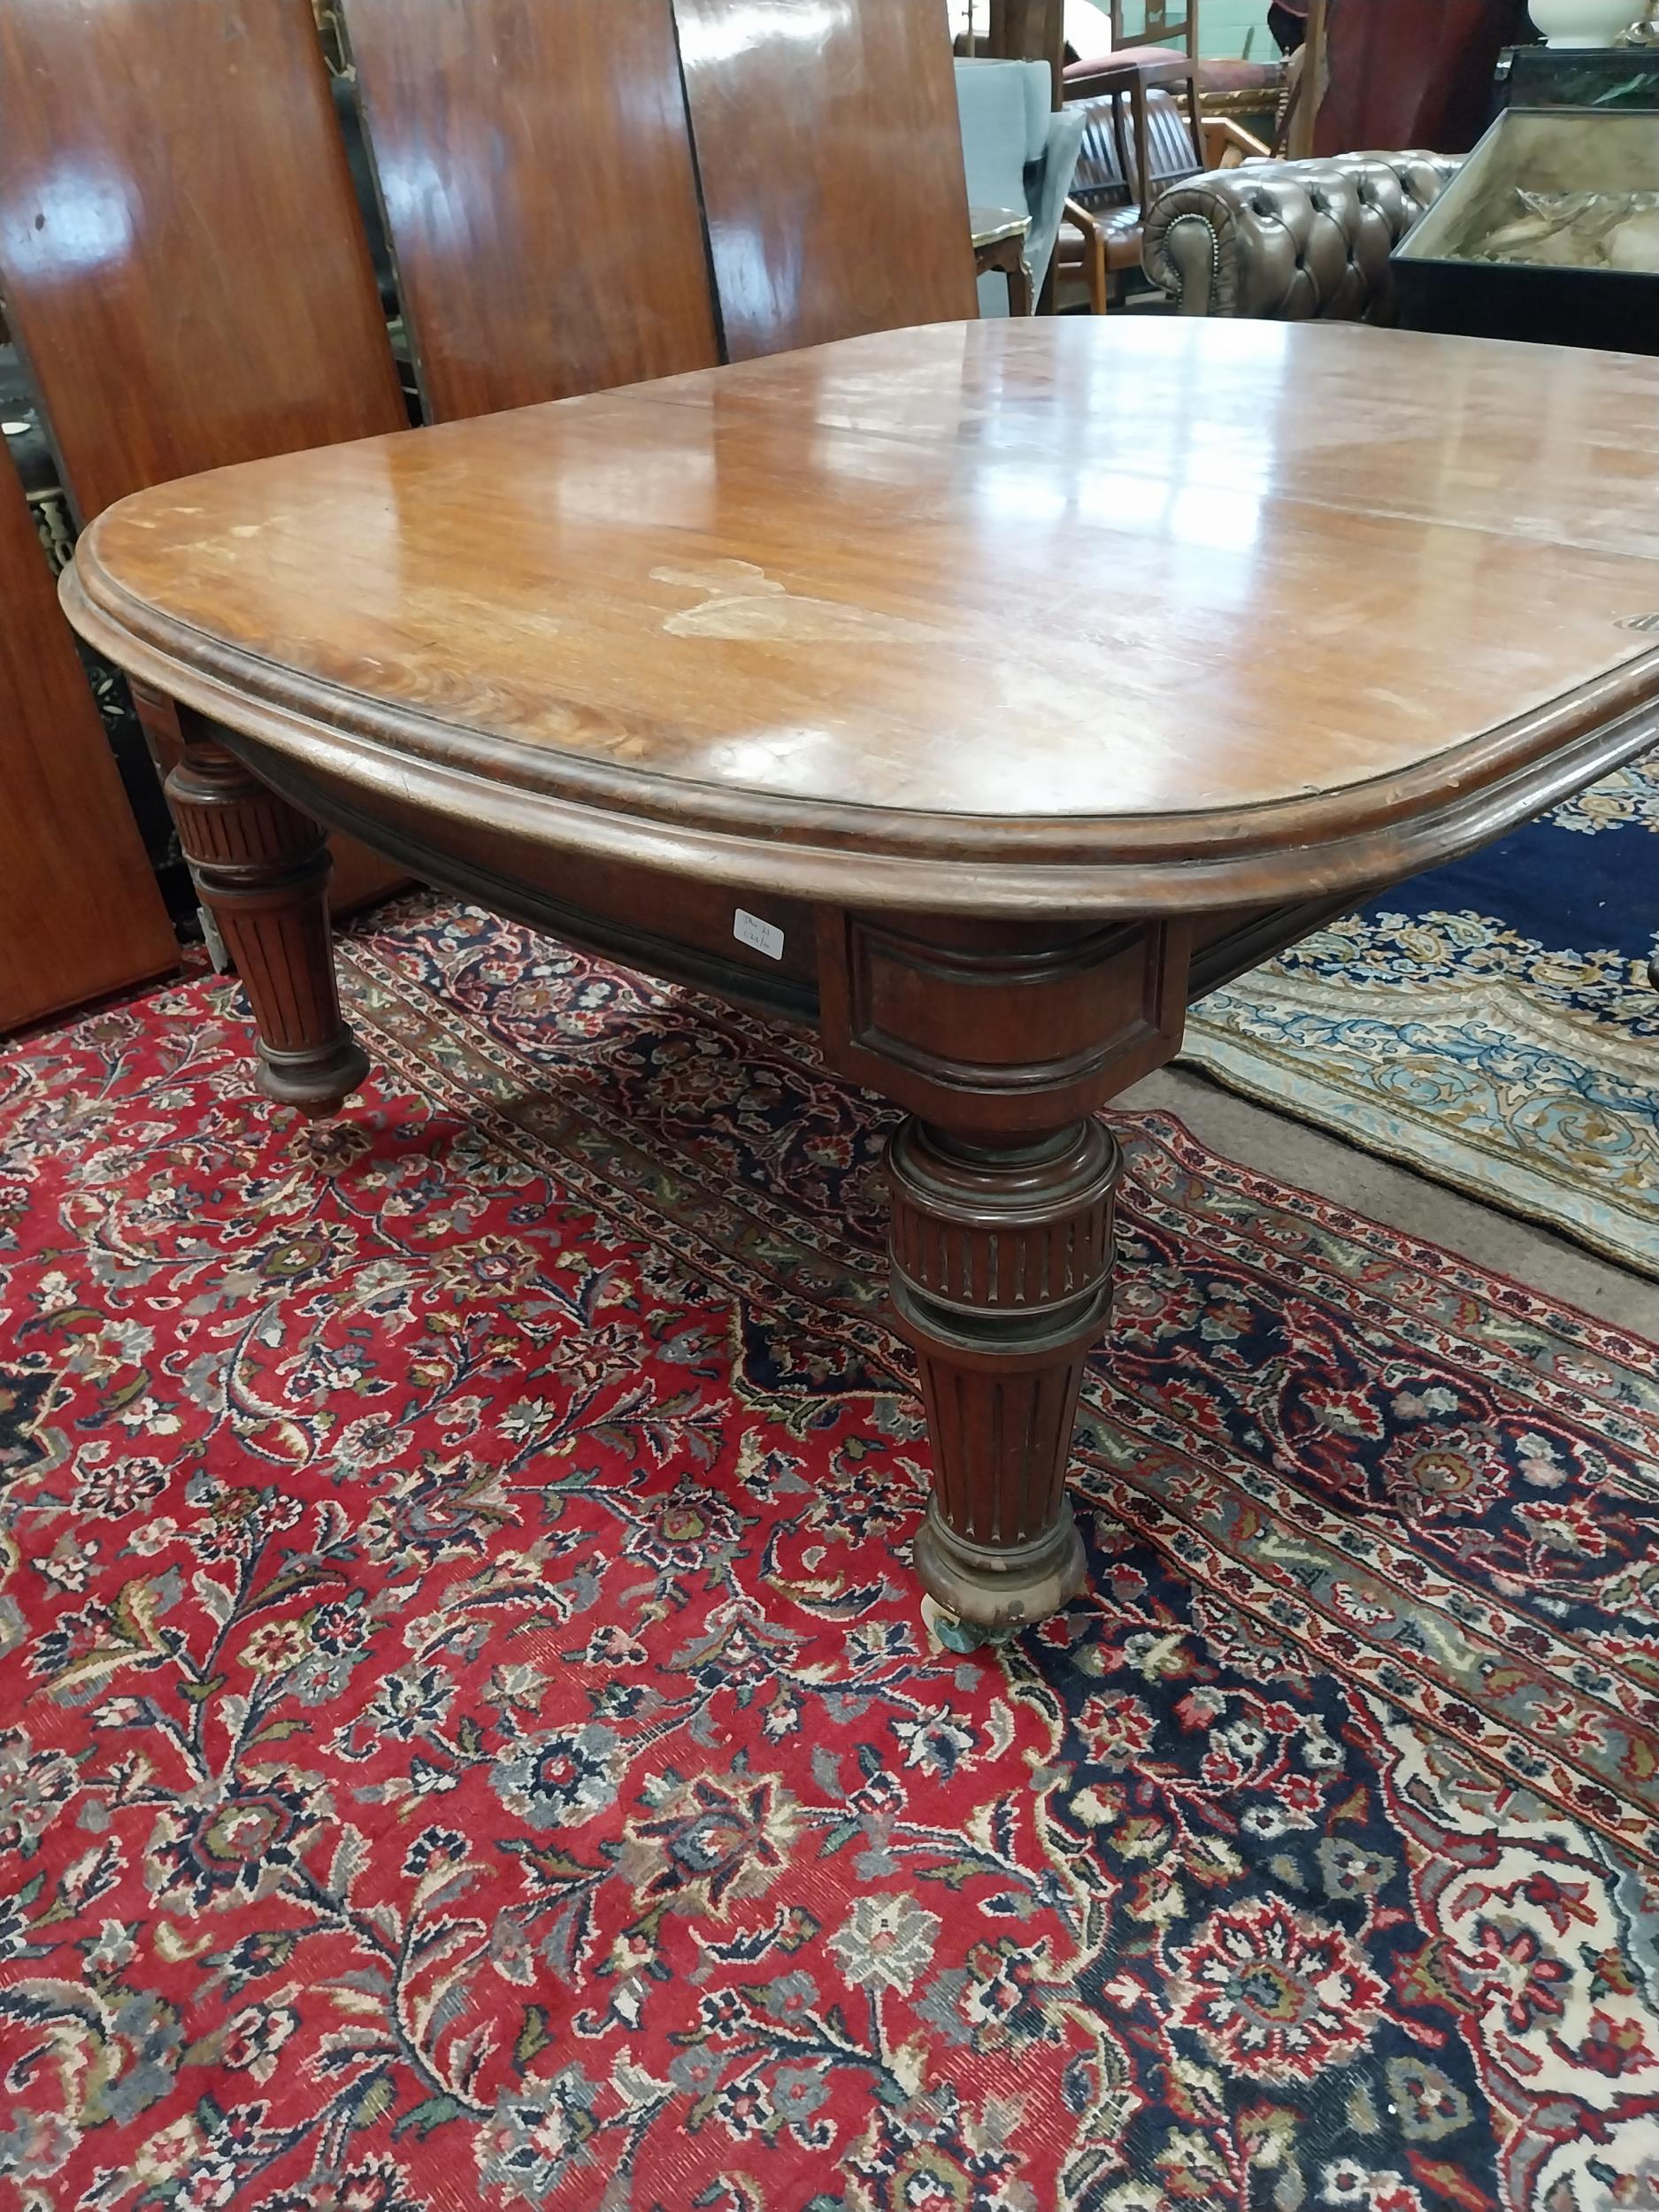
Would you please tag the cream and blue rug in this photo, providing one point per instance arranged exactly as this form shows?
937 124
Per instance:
1490 1025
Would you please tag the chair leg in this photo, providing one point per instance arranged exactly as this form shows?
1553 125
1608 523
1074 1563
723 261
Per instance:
1095 277
262 868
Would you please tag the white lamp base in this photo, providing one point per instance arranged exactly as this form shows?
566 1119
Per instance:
1582 22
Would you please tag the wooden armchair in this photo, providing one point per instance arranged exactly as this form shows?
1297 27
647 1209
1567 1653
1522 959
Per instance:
1139 140
1167 32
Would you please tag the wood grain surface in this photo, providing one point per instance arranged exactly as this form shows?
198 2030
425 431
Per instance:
535 166
1132 616
80 912
182 256
829 146
181 253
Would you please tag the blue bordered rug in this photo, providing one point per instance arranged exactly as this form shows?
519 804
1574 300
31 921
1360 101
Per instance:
1490 1025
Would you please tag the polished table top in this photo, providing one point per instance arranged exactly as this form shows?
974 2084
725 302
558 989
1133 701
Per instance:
1147 612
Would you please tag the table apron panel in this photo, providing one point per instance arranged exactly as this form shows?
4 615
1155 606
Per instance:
675 927
999 1025
1000 1028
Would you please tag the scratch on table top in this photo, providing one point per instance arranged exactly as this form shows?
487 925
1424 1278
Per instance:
743 604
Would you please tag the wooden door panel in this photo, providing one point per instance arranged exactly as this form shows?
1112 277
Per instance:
829 146
535 167
184 266
80 911
182 260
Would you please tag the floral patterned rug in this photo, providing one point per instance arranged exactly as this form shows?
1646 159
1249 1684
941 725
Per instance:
1491 1025
468 1737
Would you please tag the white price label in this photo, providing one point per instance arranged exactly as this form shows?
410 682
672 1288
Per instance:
748 929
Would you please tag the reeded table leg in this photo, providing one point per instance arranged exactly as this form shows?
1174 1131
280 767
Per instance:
1000 1038
1001 1281
262 869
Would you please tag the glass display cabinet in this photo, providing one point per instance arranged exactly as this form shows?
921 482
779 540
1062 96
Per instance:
1623 77
1549 231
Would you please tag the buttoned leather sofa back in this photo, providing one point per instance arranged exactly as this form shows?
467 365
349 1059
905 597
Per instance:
1291 241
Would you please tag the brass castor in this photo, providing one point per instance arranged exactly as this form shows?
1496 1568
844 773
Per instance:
954 1633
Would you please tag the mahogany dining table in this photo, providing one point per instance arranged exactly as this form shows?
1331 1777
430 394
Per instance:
978 693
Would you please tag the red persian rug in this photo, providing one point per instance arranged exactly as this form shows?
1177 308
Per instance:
468 1736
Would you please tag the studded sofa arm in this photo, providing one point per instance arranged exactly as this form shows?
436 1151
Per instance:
1289 240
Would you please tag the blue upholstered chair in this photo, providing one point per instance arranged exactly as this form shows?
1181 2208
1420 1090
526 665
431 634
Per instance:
1018 154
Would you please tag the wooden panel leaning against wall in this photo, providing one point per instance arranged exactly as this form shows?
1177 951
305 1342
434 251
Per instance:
829 146
182 256
535 167
80 911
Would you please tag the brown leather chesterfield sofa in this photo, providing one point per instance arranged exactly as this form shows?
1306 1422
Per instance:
1289 240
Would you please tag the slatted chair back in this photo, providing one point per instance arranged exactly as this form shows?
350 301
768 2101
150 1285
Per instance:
1105 176
535 168
1171 153
829 147
1158 23
1102 177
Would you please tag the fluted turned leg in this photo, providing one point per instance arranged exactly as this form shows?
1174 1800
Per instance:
1002 1260
1000 1038
262 868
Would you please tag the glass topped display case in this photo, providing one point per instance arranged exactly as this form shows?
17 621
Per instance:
1580 76
1549 231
